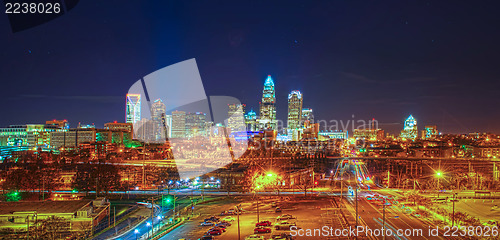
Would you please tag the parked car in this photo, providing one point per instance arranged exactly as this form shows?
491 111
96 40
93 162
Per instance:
212 219
285 217
281 236
207 237
218 228
284 225
206 224
214 232
223 224
278 209
261 230
255 237
228 219
263 224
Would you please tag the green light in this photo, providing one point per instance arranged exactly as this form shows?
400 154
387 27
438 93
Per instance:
439 173
13 196
74 191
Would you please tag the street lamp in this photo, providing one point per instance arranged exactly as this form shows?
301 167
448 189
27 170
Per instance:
257 196
439 174
171 200
136 232
238 209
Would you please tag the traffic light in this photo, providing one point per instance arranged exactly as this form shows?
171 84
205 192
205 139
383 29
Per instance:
316 183
167 200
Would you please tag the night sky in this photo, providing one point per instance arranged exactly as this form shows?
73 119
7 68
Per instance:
437 60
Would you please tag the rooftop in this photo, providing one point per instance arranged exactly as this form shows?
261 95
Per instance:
42 206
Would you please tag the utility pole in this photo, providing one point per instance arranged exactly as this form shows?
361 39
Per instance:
238 209
453 216
383 219
341 183
152 215
96 183
258 217
356 199
28 228
43 188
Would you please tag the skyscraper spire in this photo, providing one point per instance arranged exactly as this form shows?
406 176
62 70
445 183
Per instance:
267 118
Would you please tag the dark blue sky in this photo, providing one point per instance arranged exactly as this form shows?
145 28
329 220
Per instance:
437 60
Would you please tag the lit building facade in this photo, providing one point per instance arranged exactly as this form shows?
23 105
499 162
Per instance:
369 134
36 135
195 124
63 124
267 118
430 132
178 124
236 121
116 126
133 108
72 138
168 123
333 135
294 110
158 112
410 130
307 115
251 121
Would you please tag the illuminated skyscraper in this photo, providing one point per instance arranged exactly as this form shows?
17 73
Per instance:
410 130
158 111
133 108
307 115
267 118
294 110
178 124
168 122
430 132
251 120
195 124
236 121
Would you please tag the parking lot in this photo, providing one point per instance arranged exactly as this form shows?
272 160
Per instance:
308 214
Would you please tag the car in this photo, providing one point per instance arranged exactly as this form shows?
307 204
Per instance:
206 224
278 209
274 204
212 219
207 237
285 217
284 225
228 219
214 232
223 224
263 224
261 230
255 237
281 236
223 229
232 212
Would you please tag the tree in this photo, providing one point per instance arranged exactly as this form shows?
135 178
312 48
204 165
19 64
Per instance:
103 177
52 226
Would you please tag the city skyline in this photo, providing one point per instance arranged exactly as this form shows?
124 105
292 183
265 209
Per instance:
345 58
250 120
